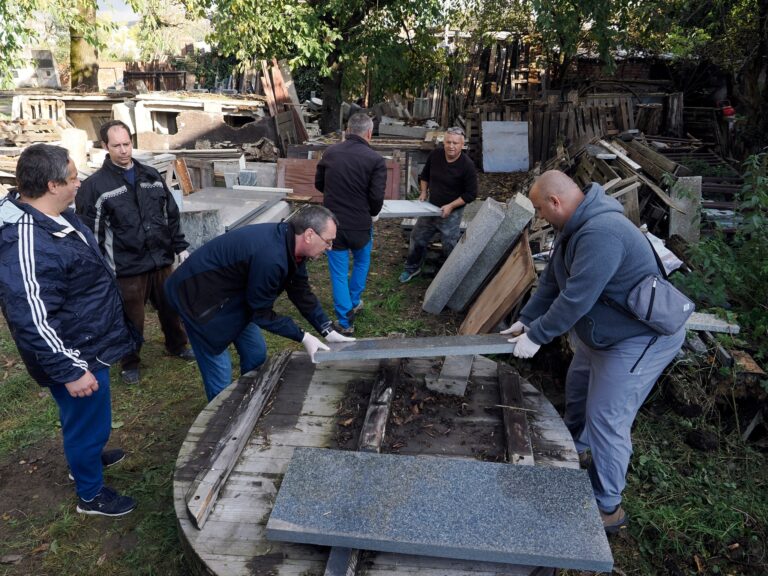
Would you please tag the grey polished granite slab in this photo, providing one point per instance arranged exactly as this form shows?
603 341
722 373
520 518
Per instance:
372 348
445 507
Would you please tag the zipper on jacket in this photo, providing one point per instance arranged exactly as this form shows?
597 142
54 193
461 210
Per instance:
653 297
651 343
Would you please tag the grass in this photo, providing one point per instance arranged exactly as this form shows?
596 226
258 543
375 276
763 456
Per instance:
691 512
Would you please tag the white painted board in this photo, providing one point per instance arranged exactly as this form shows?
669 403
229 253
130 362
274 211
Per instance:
505 146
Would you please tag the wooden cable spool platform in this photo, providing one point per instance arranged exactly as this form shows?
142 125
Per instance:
501 415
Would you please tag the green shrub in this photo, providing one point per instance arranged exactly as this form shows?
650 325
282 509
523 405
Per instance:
733 273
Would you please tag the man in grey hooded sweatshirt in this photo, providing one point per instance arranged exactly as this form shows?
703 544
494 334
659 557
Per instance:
598 255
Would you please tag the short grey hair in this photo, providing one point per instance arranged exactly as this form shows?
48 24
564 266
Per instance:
313 217
359 123
38 165
455 130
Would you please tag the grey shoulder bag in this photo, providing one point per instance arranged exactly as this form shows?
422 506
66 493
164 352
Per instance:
655 302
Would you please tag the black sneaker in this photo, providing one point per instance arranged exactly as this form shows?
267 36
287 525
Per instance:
130 376
358 308
109 458
107 503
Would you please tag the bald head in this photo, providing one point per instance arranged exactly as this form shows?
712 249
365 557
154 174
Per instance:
555 197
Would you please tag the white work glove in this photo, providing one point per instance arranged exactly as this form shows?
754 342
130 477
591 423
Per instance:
312 345
516 328
375 219
524 346
334 337
181 256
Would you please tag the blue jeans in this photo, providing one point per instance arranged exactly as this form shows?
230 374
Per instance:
423 232
347 288
604 390
85 426
216 369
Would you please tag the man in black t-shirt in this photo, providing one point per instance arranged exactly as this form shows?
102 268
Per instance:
450 179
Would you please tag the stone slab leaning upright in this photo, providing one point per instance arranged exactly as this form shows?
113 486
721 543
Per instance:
456 268
519 212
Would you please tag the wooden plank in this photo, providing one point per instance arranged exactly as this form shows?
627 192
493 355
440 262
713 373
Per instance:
620 153
204 490
182 175
628 198
519 450
508 286
268 89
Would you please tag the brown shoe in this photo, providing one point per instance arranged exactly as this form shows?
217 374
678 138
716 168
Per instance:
585 459
615 521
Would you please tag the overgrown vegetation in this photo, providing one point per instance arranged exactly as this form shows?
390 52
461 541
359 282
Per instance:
731 273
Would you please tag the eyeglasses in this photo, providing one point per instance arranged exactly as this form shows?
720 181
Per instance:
328 243
455 130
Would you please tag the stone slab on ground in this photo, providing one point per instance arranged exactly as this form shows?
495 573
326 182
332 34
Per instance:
445 507
453 377
373 348
457 266
519 212
408 209
710 323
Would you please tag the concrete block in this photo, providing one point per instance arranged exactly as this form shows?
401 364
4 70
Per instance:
519 212
453 377
456 268
371 348
444 507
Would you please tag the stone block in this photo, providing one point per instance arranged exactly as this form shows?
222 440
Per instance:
372 348
457 266
519 212
687 195
444 507
259 174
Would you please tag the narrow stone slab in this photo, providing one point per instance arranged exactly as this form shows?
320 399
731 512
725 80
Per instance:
373 348
519 211
453 377
445 507
456 268
710 323
408 209
687 223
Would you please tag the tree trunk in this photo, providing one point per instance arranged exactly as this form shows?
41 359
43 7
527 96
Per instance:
83 58
330 120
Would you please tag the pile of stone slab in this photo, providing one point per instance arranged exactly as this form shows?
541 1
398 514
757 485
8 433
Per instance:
476 276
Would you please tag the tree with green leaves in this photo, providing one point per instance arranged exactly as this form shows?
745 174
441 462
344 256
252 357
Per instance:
20 25
389 39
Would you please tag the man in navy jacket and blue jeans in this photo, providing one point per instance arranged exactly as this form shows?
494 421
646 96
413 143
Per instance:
352 178
63 307
598 255
225 293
